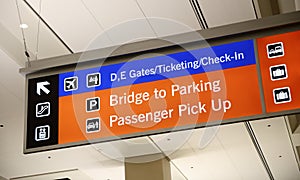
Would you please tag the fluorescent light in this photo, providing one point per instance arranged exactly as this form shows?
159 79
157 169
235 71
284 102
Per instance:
23 26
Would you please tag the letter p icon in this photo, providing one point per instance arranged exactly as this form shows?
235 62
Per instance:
92 104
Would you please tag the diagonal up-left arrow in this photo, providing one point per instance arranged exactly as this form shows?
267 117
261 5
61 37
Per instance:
41 86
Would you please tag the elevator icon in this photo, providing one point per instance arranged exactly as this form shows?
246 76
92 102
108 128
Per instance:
42 133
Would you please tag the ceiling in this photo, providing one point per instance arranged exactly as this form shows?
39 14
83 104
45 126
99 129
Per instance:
61 27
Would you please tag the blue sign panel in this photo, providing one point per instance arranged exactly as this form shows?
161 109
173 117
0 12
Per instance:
197 61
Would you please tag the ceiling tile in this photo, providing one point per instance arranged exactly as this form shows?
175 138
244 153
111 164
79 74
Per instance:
74 23
9 18
220 12
173 142
170 16
274 140
127 148
297 4
219 149
176 174
122 20
40 41
10 77
241 152
12 40
71 174
286 6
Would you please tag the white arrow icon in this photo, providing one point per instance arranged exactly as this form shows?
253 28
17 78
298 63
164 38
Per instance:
41 86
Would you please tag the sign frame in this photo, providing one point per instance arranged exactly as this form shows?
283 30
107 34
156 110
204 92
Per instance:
216 36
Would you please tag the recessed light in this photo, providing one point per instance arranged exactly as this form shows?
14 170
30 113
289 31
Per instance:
23 26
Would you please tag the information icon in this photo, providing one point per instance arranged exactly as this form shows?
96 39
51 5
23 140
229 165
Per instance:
278 72
282 95
275 50
93 125
42 133
93 80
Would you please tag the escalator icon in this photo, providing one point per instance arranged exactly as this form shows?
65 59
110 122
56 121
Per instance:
42 109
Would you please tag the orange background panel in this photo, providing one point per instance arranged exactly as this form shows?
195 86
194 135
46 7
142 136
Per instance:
238 85
291 43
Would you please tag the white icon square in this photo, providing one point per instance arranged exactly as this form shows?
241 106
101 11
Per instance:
93 125
71 83
278 72
42 133
92 104
93 80
282 95
275 50
42 109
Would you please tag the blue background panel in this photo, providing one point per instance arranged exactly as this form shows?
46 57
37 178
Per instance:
240 54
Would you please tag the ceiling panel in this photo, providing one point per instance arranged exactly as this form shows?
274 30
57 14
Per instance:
73 22
286 6
239 147
169 16
46 38
176 174
122 20
297 4
172 142
226 149
220 12
12 46
127 148
48 45
9 17
273 137
71 174
10 78
11 38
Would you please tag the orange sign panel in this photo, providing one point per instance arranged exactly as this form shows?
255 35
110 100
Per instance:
279 57
164 104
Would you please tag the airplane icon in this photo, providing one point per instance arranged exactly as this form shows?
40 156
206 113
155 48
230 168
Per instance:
71 83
